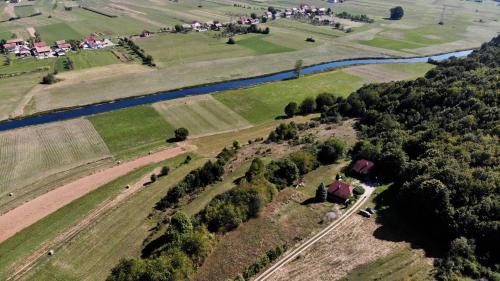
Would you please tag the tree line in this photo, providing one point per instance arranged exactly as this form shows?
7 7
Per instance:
437 139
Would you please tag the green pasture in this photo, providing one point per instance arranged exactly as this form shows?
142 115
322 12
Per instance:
172 49
12 92
92 58
24 11
5 35
24 65
266 102
261 46
58 31
133 129
201 116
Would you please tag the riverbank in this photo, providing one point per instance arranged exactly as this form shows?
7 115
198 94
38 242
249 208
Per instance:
80 111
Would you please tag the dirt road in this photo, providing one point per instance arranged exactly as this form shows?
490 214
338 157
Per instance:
32 211
302 247
29 262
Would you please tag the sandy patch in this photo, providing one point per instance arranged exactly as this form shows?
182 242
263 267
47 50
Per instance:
36 209
31 31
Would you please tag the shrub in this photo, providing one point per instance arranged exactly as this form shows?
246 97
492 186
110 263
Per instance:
358 190
154 177
331 151
181 134
49 79
231 41
291 109
397 13
165 170
308 106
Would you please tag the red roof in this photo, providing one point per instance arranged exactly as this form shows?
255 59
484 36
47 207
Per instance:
340 189
40 44
44 49
363 166
9 45
16 40
89 38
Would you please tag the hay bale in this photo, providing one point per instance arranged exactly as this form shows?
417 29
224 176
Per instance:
127 186
11 194
51 252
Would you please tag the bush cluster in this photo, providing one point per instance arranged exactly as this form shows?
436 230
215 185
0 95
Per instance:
146 59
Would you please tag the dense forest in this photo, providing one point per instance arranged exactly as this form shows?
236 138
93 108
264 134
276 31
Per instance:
437 139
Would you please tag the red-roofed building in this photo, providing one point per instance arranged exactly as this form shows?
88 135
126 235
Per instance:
40 44
363 167
42 52
340 190
63 45
10 47
17 41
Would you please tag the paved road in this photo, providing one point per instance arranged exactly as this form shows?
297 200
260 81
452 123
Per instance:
301 248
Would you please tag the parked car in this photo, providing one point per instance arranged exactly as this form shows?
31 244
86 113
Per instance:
365 214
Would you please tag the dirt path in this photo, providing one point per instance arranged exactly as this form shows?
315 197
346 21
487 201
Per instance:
38 208
70 232
31 31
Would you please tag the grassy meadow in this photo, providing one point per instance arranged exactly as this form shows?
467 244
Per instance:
84 60
19 246
32 153
132 130
200 115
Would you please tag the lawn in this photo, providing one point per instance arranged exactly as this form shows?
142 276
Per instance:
25 65
121 230
259 45
20 245
12 91
5 35
58 31
88 59
392 44
24 11
201 115
172 49
133 130
32 153
265 102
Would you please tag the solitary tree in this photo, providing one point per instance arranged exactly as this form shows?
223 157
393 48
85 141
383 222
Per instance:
397 13
291 109
321 193
231 41
154 177
164 171
298 68
49 79
181 134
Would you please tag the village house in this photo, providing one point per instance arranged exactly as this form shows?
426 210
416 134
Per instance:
41 50
24 51
340 191
10 47
363 167
146 33
63 45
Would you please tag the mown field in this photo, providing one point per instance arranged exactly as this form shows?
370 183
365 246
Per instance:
16 248
83 60
58 31
201 115
32 153
130 131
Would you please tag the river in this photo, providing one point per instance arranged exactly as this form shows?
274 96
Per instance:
204 89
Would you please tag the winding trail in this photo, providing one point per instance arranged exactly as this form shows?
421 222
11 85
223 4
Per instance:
305 245
32 211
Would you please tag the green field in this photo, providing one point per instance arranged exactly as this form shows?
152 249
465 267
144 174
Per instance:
266 102
261 46
120 231
32 153
132 130
24 11
58 31
201 115
12 93
24 65
88 59
5 35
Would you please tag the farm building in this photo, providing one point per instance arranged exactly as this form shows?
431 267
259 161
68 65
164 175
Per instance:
63 45
363 167
340 191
